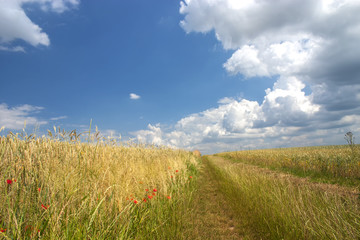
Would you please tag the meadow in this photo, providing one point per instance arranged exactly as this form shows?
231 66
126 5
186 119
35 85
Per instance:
81 186
338 164
293 193
58 187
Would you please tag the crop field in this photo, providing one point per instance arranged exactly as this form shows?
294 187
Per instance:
52 189
58 187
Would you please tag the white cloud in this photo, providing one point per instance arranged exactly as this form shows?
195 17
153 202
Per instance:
58 118
12 49
15 24
303 44
285 116
15 117
313 39
134 96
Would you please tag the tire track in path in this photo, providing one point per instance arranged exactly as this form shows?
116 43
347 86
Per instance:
211 216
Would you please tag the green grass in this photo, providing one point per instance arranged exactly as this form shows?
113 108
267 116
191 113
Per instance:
273 206
329 164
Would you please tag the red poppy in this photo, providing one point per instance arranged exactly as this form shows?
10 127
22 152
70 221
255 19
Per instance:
28 227
39 189
155 190
9 181
150 197
168 197
154 193
45 207
147 190
190 177
177 171
2 230
144 200
135 201
171 176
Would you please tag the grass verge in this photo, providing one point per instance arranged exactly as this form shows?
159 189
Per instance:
274 206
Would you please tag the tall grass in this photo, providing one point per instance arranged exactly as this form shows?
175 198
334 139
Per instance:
274 206
54 188
334 164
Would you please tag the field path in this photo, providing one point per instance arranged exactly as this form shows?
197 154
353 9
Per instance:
212 217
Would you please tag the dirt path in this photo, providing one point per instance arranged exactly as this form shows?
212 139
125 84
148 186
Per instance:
212 217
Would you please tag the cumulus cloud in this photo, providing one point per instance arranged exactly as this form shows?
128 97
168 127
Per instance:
15 24
302 44
313 39
15 117
134 96
285 112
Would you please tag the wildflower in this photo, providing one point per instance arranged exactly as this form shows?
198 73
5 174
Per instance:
2 230
177 171
39 189
155 190
135 201
141 182
144 199
190 177
45 207
168 197
150 197
9 181
172 176
153 193
28 227
146 190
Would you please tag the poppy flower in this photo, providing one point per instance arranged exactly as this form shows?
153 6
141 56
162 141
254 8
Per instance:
153 193
144 199
45 207
28 227
9 181
39 189
190 177
155 190
135 201
146 190
150 197
168 197
177 171
2 230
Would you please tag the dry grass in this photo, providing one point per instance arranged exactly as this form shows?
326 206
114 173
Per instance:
69 189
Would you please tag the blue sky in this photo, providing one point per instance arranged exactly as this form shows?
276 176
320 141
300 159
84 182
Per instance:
214 75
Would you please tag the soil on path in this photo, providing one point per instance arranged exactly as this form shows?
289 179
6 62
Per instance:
212 217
